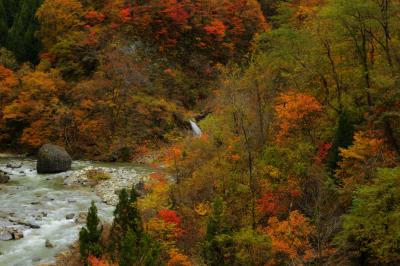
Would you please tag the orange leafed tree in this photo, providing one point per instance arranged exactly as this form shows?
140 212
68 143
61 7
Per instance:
7 78
38 107
93 261
291 239
176 258
7 82
360 160
296 110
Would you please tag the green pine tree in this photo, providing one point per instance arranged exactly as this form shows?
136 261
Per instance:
217 238
134 221
215 221
139 250
343 139
119 223
121 210
3 24
12 8
21 39
370 230
90 236
126 217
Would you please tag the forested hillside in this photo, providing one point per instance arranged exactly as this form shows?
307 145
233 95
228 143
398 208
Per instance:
114 77
18 26
298 101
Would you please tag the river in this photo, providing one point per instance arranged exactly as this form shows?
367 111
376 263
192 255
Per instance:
44 201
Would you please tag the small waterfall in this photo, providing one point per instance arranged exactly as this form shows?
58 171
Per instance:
195 128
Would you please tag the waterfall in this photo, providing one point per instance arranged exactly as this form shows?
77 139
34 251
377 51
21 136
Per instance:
195 128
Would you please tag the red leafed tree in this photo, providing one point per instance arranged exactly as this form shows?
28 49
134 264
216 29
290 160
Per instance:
165 227
272 203
176 11
276 201
125 14
322 152
94 17
216 27
169 216
221 29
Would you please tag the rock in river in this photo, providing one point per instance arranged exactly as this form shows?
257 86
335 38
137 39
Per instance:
53 159
81 218
17 235
70 216
14 165
10 234
5 236
4 177
48 244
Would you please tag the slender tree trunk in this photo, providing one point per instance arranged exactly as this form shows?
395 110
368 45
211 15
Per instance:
260 111
335 74
250 170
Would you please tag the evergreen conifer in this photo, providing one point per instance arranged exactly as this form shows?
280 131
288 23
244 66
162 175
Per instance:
90 236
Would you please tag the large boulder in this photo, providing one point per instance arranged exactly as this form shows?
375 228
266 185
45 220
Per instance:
53 159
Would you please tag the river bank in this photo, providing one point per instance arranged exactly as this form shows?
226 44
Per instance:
49 211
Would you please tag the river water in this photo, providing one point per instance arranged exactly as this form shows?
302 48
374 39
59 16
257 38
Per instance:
43 200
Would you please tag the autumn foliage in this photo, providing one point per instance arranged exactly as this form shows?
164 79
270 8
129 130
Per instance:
296 111
7 82
169 216
186 23
93 261
178 259
291 238
298 103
